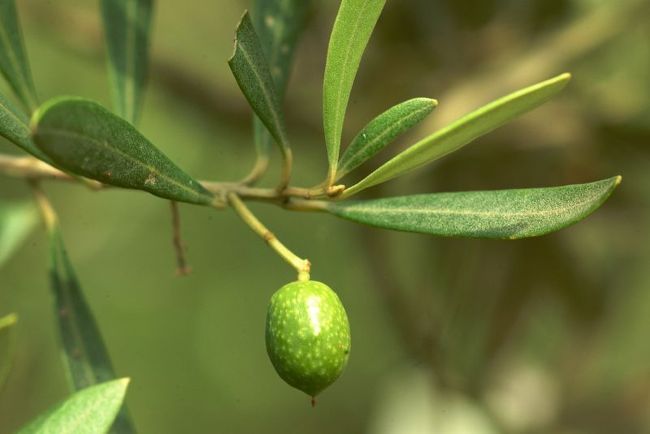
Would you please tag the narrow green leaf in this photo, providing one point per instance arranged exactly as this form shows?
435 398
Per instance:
16 222
7 344
383 130
13 60
354 24
86 139
14 126
498 214
463 131
127 25
85 355
279 24
89 411
253 75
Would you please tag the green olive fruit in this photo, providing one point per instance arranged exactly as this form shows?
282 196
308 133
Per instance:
307 335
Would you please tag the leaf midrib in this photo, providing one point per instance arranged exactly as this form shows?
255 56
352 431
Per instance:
105 144
449 211
337 112
265 93
384 133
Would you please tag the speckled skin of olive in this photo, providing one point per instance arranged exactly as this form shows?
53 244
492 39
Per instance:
307 335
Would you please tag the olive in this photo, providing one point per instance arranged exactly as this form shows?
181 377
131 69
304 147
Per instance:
307 335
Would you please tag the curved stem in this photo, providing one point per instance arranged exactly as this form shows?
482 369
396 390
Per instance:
302 266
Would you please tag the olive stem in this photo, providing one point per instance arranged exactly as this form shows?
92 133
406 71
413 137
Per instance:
302 266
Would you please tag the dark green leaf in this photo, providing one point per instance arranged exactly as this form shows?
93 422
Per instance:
482 214
279 24
84 138
14 126
463 131
354 24
383 130
89 411
127 24
84 352
16 221
7 338
13 60
253 75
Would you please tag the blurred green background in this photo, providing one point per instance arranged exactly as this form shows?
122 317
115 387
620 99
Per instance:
545 335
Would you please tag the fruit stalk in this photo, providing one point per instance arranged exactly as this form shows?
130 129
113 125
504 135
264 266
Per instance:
302 266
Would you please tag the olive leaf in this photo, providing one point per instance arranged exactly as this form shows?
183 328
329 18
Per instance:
463 131
253 75
16 221
127 25
14 126
279 25
382 130
7 343
354 24
86 139
502 214
89 411
13 60
85 355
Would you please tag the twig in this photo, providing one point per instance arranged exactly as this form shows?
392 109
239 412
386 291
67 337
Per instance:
182 268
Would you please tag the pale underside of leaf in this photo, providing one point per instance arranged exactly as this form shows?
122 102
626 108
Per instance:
354 24
16 222
89 411
501 214
85 354
463 131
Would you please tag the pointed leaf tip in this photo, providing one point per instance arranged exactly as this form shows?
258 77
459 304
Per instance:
382 130
253 75
88 140
463 131
354 24
501 214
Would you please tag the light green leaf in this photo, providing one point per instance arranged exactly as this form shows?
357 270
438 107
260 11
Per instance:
14 126
279 24
16 222
89 411
85 355
86 139
383 130
498 214
13 60
7 344
127 25
463 131
253 75
354 24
